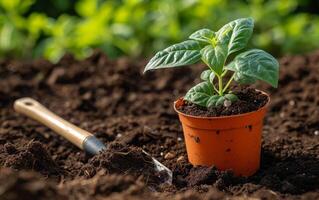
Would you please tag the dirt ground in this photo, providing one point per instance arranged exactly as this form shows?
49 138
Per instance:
122 107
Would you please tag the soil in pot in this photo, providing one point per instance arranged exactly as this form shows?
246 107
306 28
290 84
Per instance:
249 100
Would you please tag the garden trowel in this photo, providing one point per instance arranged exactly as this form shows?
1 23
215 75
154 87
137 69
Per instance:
79 137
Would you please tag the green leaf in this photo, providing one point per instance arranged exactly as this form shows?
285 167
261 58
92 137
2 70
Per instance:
200 93
256 64
184 53
220 101
211 102
231 97
236 34
214 57
243 79
203 35
207 75
212 77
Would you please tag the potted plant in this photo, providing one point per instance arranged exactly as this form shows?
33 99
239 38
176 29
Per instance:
222 127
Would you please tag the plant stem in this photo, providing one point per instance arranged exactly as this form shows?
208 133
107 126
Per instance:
215 88
228 83
220 85
224 73
212 82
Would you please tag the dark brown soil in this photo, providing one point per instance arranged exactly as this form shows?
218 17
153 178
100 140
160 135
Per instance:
31 156
120 159
210 176
249 100
27 186
100 186
114 101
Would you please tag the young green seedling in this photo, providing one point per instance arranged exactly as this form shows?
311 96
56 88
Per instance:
213 48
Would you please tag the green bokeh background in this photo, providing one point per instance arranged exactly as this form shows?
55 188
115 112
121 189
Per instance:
138 28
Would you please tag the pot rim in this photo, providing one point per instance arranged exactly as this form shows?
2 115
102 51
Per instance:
223 117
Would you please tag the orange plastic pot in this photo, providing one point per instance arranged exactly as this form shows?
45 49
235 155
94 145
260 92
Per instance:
227 142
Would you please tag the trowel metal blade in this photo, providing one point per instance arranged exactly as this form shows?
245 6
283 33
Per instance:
167 174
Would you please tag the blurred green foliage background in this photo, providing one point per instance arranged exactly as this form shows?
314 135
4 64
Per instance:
138 28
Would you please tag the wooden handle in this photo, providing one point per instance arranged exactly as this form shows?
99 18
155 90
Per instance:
38 112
